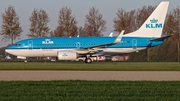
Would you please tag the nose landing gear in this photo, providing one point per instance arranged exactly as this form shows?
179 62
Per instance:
25 61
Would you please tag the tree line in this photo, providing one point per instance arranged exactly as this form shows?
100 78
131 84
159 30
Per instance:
95 25
39 19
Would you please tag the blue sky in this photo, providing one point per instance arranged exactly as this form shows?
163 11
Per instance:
80 8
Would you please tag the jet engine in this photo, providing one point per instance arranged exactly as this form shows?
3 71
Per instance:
67 55
21 57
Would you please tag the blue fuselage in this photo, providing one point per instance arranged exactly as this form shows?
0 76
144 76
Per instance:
83 42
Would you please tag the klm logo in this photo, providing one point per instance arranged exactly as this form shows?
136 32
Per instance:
154 24
47 41
65 54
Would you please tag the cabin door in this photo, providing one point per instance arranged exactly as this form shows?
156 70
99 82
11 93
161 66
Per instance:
78 45
134 43
30 44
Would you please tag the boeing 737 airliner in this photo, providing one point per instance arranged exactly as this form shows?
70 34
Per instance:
148 35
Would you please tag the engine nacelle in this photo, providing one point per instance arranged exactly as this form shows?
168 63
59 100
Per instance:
21 57
67 55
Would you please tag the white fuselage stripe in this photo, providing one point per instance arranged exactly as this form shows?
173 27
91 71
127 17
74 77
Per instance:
53 52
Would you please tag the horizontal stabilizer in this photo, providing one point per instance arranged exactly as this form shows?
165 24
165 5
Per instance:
161 38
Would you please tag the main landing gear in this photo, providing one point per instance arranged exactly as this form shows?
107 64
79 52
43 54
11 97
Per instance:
88 60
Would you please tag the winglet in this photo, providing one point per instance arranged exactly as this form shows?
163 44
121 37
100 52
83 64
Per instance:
111 34
118 39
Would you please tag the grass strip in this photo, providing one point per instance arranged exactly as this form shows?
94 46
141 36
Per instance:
101 66
89 91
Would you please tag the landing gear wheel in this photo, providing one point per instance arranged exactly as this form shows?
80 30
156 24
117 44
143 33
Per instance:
88 60
25 61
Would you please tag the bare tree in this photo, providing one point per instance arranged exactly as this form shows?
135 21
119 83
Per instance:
124 21
176 15
11 28
131 20
172 27
39 20
142 14
94 23
81 31
57 32
67 23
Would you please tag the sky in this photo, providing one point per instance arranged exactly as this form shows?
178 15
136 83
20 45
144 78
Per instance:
80 8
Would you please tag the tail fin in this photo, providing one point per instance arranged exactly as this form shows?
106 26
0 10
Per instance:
153 26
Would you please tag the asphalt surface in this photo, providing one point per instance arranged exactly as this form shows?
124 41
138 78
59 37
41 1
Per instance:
90 75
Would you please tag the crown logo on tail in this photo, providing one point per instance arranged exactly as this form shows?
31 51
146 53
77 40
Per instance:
154 24
154 20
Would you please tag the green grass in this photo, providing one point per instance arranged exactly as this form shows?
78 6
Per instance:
105 66
89 91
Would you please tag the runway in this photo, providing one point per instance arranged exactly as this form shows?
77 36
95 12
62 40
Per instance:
90 75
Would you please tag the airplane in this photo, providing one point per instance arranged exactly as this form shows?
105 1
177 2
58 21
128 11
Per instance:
71 48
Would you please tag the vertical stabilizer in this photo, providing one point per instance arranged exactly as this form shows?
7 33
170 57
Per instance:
153 26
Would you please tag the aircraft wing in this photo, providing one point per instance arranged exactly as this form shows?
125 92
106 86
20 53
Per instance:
116 41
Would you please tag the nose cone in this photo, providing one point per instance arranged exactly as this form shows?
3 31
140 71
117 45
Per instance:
6 50
9 49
